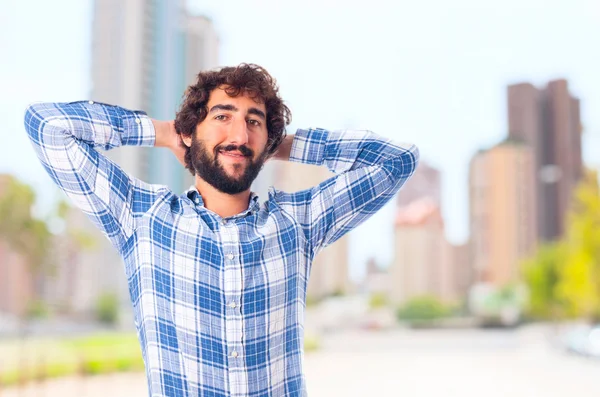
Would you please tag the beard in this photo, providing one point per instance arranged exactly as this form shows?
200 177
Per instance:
211 170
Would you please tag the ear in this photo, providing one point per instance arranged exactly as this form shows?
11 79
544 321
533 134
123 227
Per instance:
187 140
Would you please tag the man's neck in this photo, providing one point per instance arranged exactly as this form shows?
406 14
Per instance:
223 204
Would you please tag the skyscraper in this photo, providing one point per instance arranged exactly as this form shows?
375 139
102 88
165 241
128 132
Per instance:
549 121
502 211
186 45
420 247
425 262
144 54
425 183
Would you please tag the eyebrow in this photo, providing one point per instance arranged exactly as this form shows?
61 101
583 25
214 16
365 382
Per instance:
232 108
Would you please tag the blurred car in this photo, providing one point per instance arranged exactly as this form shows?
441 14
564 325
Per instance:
583 340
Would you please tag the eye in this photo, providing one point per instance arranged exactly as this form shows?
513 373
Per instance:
255 123
221 117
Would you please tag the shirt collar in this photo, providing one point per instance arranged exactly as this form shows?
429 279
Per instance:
193 194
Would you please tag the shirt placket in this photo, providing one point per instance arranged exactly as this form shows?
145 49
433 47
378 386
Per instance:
233 311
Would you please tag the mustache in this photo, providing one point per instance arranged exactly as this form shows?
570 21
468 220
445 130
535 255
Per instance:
243 149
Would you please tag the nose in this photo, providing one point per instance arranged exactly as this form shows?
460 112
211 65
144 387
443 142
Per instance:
238 133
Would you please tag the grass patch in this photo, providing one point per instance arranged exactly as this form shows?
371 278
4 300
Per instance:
35 359
311 343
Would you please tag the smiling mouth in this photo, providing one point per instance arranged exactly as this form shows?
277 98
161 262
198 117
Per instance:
233 155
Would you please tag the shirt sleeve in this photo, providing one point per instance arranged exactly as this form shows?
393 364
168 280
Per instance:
66 136
369 170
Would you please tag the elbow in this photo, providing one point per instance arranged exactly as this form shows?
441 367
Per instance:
409 161
42 119
401 167
33 120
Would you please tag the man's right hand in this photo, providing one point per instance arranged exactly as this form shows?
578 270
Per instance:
167 137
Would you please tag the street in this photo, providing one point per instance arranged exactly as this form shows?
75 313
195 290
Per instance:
466 363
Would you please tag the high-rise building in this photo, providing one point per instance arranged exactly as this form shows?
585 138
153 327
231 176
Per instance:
419 251
144 55
377 280
188 45
85 268
329 272
425 183
201 46
549 121
16 283
460 274
502 211
122 67
425 262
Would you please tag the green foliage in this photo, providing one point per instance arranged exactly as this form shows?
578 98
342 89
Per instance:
423 308
378 300
107 308
541 274
579 285
26 235
57 370
95 366
311 343
37 309
311 301
90 355
31 238
564 277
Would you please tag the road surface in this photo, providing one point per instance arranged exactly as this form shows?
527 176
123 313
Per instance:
465 363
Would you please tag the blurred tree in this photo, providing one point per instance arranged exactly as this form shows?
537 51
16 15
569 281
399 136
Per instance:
107 308
564 277
378 300
541 274
75 241
31 237
28 237
579 278
22 232
422 308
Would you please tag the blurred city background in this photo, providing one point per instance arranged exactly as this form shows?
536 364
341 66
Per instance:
482 278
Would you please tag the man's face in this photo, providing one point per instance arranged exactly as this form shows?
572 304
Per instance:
228 147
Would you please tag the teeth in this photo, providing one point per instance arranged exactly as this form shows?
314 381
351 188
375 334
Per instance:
232 154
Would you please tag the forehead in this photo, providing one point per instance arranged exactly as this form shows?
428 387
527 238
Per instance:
218 96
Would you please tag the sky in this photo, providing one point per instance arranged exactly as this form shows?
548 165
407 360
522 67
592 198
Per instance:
433 73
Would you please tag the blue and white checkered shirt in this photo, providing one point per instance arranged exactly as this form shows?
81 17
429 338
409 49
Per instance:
218 302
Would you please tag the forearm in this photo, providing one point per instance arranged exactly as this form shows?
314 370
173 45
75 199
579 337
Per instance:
349 150
164 134
284 149
64 137
369 169
98 125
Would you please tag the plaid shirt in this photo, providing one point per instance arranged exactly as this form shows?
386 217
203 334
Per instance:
218 302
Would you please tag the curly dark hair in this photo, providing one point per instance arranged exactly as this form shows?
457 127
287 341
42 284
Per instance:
245 79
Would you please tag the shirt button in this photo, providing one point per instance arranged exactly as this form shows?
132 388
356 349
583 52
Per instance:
224 221
137 121
234 354
232 305
230 256
197 201
91 102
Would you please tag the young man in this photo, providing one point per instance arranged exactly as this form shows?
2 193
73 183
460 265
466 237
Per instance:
217 279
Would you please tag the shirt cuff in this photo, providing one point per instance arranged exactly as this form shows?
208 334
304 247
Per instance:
308 146
138 130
